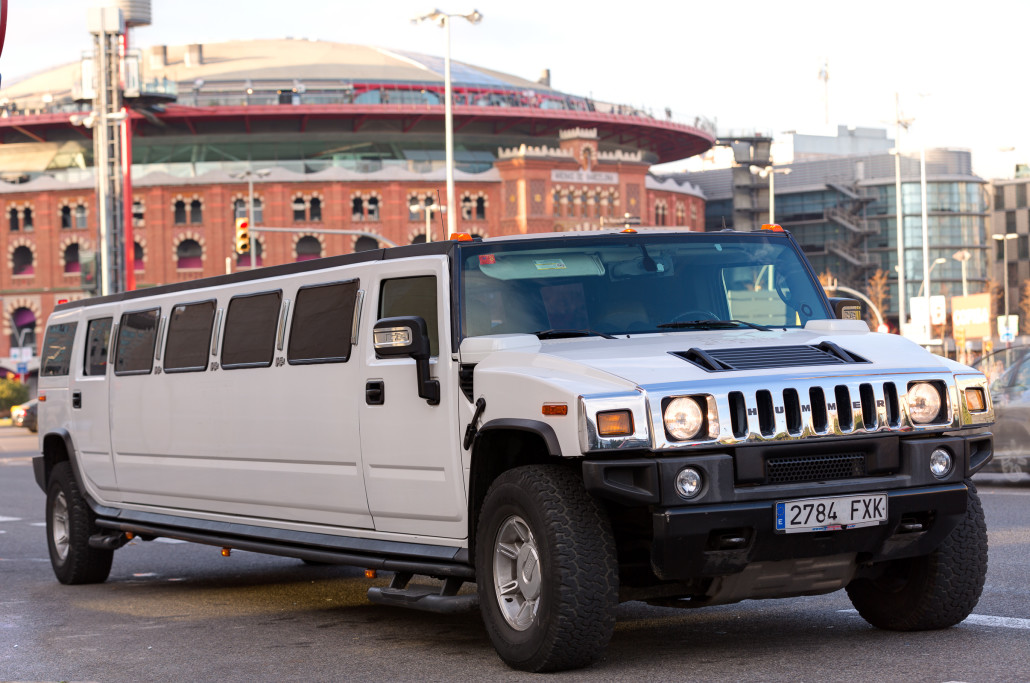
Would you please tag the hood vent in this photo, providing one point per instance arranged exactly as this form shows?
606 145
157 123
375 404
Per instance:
769 357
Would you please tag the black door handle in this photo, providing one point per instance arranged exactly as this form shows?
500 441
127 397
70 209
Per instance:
375 392
76 399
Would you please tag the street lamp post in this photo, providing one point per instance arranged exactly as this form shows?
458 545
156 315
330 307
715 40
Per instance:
416 206
443 19
249 175
1004 239
963 257
770 173
926 282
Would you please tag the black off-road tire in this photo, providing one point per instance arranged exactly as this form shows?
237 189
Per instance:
935 591
69 524
568 605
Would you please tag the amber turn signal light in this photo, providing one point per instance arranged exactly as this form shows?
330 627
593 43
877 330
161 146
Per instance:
615 423
975 401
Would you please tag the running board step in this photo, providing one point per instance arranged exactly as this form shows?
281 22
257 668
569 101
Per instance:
439 599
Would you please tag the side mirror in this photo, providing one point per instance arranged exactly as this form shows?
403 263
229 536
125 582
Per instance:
407 335
846 309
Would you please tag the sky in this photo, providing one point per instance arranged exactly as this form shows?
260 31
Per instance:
749 66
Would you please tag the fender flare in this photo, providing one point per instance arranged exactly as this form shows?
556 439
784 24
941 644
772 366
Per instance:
541 429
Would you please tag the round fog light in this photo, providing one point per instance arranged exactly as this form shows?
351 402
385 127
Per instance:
940 463
689 482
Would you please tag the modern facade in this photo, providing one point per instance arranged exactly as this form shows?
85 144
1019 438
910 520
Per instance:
843 212
336 138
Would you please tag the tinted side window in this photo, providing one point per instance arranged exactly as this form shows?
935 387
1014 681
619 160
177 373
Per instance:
57 349
189 336
322 323
412 296
137 334
98 336
250 326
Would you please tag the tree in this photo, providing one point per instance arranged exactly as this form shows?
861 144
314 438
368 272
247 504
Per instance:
827 279
1024 305
876 290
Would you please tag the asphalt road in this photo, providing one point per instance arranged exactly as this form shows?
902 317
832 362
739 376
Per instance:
181 612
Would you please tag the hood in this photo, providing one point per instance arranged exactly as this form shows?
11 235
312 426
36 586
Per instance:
656 359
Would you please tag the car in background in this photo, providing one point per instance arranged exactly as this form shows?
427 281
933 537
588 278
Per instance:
24 415
1009 372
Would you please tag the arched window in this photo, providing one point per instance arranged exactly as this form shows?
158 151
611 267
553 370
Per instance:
80 216
660 212
27 218
138 213
196 212
556 203
71 259
22 261
300 209
681 214
315 209
137 257
179 212
24 331
373 209
239 208
66 218
468 208
480 208
12 216
308 248
243 260
365 243
189 255
357 209
419 239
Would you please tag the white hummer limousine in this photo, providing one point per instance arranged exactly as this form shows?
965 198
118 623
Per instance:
569 421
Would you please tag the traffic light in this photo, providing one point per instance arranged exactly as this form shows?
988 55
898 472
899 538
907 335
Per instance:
242 236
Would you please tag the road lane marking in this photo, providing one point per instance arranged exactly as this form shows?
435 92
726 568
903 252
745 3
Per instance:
981 620
10 519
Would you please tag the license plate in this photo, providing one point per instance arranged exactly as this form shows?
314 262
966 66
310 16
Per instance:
830 514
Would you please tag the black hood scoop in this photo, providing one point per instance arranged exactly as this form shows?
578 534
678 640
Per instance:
768 357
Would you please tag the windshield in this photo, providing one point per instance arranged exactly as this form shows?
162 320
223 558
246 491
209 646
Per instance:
634 284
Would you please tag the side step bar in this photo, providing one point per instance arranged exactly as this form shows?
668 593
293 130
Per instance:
439 599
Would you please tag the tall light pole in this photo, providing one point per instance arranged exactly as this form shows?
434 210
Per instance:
926 282
443 19
1004 239
963 257
770 173
249 176
898 209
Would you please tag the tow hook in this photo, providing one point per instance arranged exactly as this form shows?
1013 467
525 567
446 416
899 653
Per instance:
470 431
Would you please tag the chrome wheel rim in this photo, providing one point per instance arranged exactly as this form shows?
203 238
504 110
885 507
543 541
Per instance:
517 573
59 526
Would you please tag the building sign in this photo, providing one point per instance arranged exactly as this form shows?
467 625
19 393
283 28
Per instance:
971 316
595 177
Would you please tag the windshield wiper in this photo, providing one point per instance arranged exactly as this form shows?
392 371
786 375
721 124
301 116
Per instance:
713 324
562 334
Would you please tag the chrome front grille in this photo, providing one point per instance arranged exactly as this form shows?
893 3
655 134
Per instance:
776 409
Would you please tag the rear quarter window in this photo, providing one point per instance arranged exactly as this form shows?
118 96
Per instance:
250 327
57 349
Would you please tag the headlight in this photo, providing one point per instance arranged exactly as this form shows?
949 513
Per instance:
924 402
683 418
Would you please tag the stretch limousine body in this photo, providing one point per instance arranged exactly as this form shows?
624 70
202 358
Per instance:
567 421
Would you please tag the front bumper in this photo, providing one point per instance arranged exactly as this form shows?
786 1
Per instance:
731 524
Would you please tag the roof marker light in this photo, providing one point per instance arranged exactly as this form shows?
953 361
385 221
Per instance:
461 236
772 226
629 230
